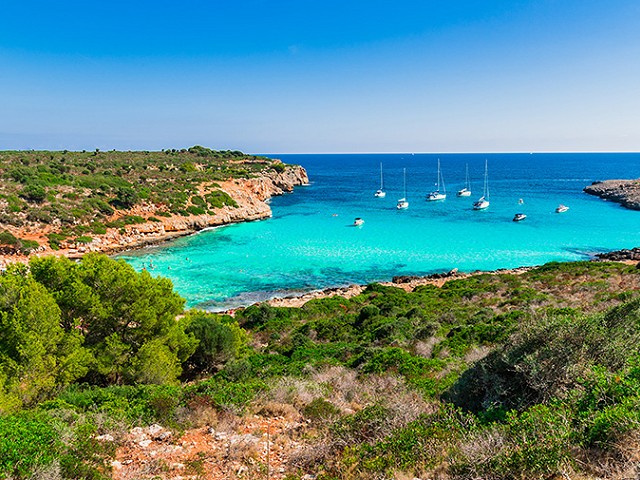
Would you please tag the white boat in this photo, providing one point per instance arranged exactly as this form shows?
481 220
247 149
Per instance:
561 208
402 202
358 221
483 201
380 193
518 217
466 191
437 194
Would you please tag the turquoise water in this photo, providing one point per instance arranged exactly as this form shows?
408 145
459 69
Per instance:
310 242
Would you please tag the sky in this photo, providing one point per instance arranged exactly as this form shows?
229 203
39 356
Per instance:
272 76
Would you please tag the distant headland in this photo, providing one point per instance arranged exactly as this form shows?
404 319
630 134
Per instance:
71 203
624 192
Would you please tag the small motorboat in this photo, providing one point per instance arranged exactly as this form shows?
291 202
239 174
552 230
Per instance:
358 222
518 217
561 208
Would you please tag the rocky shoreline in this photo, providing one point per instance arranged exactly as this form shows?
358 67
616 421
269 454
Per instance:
624 192
250 194
405 282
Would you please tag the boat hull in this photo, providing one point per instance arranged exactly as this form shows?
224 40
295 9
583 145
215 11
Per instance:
435 196
480 205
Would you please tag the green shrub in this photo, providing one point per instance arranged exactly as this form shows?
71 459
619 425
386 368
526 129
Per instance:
320 410
7 238
34 193
219 199
193 210
27 246
27 441
83 239
218 341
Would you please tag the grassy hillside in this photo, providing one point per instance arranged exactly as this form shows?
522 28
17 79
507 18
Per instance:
77 194
493 376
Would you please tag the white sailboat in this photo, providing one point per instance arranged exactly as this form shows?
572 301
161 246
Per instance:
466 191
402 202
437 194
380 193
483 201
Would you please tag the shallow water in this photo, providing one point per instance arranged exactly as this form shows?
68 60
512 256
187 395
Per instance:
310 242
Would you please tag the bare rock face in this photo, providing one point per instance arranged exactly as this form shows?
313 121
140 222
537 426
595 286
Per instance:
624 192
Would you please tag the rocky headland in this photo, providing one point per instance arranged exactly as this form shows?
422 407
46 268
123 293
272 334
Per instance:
624 192
251 196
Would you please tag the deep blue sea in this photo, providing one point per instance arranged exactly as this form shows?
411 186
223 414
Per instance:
310 242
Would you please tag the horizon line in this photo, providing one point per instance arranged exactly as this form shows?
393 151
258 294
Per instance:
526 152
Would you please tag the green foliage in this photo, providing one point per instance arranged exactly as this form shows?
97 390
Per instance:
218 341
83 239
219 199
27 441
7 238
320 410
37 356
493 376
538 443
55 239
89 187
128 318
547 356
225 394
193 210
34 193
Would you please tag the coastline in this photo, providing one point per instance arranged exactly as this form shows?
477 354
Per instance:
251 196
624 192
407 283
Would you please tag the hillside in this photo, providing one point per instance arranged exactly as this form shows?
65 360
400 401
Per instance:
77 202
531 375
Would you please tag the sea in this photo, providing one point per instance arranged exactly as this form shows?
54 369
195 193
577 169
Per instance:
311 243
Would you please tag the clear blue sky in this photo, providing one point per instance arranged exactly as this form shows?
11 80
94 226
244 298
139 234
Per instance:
321 76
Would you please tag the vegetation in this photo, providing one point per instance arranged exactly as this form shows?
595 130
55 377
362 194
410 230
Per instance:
492 376
68 194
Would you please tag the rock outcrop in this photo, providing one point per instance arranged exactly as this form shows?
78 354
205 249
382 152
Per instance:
624 255
624 192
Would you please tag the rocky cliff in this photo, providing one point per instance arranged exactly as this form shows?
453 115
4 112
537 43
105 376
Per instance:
624 192
249 194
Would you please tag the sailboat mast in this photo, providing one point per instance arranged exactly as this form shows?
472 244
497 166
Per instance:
486 179
404 173
381 180
466 178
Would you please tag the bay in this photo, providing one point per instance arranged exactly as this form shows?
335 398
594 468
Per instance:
311 243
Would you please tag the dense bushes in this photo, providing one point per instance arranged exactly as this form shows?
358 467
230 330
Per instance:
99 321
497 376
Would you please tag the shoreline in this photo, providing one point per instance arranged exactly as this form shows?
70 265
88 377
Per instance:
251 195
406 282
409 282
624 192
